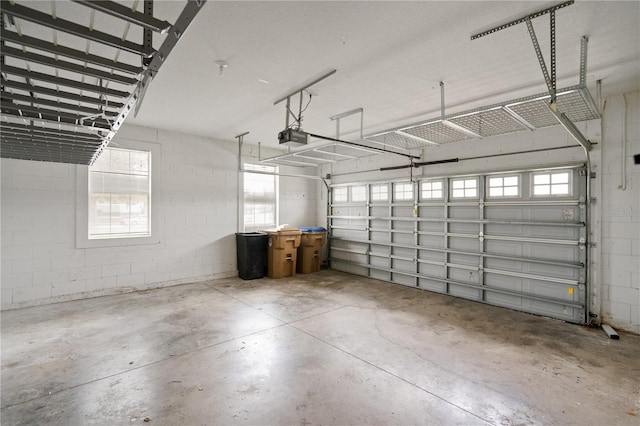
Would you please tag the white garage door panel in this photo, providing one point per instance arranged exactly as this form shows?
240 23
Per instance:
504 264
431 255
431 285
507 248
436 271
569 252
403 239
464 292
381 236
503 212
465 259
497 229
520 248
403 279
431 241
378 275
403 252
504 300
402 224
464 244
554 232
399 211
432 212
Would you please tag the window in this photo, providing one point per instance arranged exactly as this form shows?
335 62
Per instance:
358 193
504 186
340 195
431 190
120 194
379 192
553 184
464 188
260 198
403 191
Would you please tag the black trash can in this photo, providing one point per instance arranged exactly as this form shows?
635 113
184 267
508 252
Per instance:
252 254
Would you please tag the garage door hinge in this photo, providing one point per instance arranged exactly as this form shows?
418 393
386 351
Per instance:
583 243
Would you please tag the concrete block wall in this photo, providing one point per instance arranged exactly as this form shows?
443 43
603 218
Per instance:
615 219
620 212
196 199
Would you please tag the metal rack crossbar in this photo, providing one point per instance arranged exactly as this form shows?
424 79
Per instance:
62 103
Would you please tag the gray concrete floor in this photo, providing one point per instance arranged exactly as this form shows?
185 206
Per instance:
325 348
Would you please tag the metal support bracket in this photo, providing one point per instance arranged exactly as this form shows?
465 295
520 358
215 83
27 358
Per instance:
147 33
299 91
337 118
188 14
584 41
451 124
543 66
570 127
522 19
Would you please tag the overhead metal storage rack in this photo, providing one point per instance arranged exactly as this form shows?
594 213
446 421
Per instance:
527 113
325 154
73 71
522 114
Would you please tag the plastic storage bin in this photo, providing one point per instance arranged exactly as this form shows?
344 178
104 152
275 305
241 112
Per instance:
310 249
282 253
251 254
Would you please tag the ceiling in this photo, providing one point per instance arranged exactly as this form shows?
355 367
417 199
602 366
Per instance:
389 56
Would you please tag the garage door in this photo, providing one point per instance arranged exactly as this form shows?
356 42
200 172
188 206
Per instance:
513 239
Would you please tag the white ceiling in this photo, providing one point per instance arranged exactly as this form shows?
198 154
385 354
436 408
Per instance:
389 56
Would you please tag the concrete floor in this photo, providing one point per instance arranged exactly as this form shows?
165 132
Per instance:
325 348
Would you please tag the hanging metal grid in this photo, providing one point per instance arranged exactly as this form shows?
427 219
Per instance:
527 113
67 87
325 154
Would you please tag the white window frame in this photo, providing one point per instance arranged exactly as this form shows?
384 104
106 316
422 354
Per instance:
426 194
248 167
358 193
502 186
377 195
82 202
107 175
340 194
551 184
466 187
397 193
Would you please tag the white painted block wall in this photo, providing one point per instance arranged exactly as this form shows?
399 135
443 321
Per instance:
620 213
615 216
197 212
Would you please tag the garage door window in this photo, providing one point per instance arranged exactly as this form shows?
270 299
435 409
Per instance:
552 184
403 191
464 188
340 195
358 194
379 192
120 194
504 186
431 190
